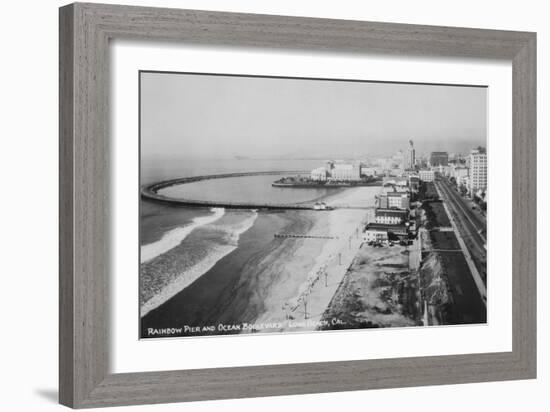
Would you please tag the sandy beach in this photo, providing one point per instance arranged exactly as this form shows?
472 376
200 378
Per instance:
310 274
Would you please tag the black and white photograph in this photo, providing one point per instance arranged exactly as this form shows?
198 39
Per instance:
282 205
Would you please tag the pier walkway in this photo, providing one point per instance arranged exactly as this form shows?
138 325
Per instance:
292 235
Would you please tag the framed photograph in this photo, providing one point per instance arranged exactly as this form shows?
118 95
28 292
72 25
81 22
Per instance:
258 205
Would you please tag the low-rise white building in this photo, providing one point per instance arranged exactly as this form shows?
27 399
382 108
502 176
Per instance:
379 232
375 234
399 200
391 216
368 171
459 172
426 175
345 172
319 174
393 200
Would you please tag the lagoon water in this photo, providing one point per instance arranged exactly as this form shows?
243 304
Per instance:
254 189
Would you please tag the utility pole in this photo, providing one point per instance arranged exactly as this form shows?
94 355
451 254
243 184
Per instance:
340 258
286 309
305 308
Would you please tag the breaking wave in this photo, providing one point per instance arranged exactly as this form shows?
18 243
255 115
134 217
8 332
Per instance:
175 236
227 242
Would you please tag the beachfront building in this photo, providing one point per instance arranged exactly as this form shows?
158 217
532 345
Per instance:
439 159
319 174
373 233
346 172
426 175
390 216
340 172
398 200
478 171
396 181
380 232
382 200
394 200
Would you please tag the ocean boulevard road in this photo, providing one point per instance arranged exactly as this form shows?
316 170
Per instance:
472 229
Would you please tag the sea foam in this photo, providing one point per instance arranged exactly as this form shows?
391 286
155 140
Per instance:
231 235
174 237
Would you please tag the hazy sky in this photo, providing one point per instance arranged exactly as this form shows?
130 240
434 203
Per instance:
191 115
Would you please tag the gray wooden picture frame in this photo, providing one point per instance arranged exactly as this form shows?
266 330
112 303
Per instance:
85 31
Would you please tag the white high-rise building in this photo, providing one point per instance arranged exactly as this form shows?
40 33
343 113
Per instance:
478 171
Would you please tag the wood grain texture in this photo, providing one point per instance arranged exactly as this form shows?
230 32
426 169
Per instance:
66 229
85 31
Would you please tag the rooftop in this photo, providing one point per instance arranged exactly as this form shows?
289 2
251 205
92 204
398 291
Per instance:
384 227
391 212
395 194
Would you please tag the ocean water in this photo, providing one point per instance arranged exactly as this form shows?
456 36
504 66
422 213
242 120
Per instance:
153 169
181 248
173 237
186 253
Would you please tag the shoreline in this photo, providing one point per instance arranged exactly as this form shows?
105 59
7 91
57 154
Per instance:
325 186
312 290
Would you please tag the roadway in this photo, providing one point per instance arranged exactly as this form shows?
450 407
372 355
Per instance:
471 227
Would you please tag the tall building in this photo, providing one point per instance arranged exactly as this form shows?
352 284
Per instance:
439 159
478 170
409 160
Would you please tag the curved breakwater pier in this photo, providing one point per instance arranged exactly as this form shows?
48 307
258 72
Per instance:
151 192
